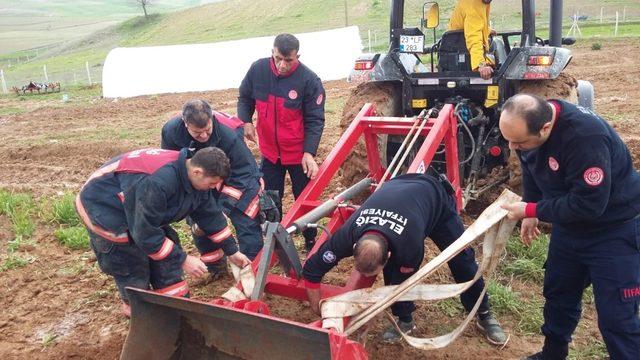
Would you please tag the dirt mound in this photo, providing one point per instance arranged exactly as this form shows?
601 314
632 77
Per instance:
563 87
356 166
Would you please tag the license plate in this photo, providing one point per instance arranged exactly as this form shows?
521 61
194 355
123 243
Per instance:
412 44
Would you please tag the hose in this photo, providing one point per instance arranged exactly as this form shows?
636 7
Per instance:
464 125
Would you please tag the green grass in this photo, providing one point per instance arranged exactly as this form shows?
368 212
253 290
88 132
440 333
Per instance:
62 211
15 260
20 209
75 238
595 350
607 30
73 270
526 313
451 307
49 339
525 262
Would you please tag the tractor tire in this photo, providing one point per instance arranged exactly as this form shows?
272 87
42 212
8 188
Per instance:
564 87
385 97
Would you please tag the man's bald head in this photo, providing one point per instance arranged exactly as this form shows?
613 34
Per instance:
534 110
526 121
370 253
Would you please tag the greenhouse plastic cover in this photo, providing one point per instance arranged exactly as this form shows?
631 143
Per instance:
150 70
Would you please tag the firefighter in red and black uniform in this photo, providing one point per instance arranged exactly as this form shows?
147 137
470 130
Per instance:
289 100
199 127
578 175
129 203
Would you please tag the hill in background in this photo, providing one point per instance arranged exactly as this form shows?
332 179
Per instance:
230 20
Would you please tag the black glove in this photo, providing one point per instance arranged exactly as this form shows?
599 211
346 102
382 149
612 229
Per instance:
270 206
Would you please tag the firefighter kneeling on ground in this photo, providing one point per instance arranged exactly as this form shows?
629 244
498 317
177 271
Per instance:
386 234
241 196
129 203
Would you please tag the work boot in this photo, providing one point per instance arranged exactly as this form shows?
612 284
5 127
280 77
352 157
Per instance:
391 335
552 350
491 328
536 356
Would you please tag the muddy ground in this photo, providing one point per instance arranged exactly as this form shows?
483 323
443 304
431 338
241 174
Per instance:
61 307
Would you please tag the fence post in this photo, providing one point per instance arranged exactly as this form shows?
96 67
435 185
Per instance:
624 14
615 32
369 39
4 84
46 76
601 13
86 64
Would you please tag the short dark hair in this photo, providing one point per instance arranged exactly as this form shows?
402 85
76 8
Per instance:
286 43
197 113
533 109
371 252
213 161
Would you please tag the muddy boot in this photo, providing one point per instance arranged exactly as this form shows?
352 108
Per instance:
491 328
391 335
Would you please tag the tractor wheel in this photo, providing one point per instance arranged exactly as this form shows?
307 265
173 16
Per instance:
564 87
385 97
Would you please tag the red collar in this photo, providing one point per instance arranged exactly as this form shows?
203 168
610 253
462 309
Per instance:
277 73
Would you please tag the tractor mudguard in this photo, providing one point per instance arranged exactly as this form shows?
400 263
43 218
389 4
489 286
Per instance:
386 68
517 65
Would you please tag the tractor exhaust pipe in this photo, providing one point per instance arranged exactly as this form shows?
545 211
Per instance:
555 23
528 37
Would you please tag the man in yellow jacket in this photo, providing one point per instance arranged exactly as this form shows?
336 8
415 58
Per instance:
472 16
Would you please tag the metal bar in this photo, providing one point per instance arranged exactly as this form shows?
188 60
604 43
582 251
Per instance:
330 205
330 166
413 141
265 261
452 158
444 126
295 289
397 154
373 155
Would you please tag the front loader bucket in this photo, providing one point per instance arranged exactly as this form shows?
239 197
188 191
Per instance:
164 327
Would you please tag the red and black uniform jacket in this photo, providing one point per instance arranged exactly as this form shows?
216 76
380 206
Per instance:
134 195
290 110
405 210
244 184
582 178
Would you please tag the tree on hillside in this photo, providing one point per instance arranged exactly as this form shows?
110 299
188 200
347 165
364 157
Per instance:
144 4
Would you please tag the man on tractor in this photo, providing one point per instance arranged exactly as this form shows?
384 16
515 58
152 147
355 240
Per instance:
386 234
472 18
